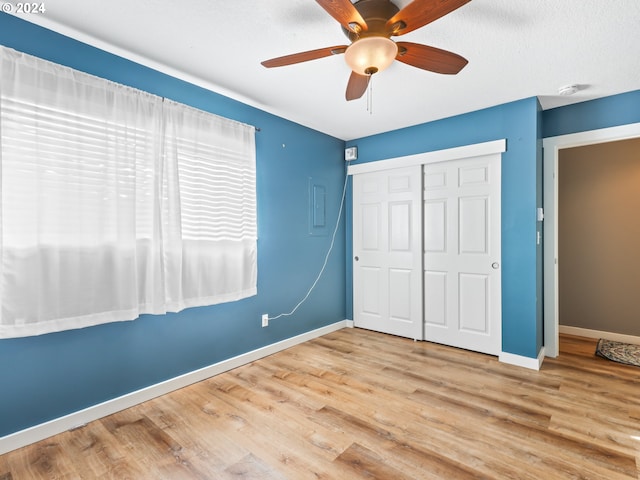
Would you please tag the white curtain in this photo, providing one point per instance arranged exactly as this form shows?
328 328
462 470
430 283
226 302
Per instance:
214 242
116 203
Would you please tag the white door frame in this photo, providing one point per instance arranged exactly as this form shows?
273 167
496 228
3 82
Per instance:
551 147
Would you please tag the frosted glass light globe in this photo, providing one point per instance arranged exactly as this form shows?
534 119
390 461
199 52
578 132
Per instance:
370 55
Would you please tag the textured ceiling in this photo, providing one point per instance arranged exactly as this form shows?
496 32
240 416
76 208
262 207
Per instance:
516 49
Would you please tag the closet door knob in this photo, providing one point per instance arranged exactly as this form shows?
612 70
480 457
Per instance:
495 265
356 258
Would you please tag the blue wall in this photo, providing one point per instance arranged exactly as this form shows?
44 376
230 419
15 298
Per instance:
539 231
613 111
519 123
45 377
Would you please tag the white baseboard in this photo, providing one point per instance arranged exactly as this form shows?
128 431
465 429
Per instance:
520 361
585 332
81 417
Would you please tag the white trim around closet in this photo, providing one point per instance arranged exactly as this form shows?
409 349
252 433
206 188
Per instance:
466 151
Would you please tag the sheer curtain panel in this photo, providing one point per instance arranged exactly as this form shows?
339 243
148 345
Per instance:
211 244
116 203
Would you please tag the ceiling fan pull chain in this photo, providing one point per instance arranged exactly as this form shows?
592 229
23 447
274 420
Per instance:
370 96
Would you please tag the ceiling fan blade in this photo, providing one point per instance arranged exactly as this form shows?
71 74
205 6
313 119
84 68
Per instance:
420 13
344 12
304 56
430 58
357 86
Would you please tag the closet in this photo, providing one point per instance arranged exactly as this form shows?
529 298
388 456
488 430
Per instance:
427 248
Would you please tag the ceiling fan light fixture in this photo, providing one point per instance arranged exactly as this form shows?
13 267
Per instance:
369 55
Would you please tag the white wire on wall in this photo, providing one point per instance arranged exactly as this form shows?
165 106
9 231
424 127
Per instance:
326 258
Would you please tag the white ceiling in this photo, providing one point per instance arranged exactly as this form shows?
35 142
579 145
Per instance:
516 49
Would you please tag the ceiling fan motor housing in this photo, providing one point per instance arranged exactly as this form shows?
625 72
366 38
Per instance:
375 13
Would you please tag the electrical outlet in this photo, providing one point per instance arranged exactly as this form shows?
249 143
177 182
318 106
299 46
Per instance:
265 320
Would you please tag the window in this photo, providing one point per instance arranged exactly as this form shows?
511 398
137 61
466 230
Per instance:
115 202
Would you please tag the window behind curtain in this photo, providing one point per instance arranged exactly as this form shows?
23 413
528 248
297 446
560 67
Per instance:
116 203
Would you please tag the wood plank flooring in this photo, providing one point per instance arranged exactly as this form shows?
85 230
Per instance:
362 405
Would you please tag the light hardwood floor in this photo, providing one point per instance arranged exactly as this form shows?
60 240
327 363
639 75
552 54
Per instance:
362 405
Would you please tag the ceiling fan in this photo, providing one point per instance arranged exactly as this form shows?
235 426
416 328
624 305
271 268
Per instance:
369 25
